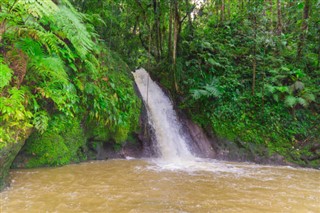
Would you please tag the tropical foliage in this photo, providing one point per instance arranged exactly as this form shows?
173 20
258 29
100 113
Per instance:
245 70
53 65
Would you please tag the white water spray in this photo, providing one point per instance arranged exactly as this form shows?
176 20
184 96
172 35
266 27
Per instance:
162 117
175 154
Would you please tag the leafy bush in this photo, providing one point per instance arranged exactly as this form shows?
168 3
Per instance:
51 64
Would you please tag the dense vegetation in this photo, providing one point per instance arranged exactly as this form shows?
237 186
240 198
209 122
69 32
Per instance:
245 70
248 71
60 80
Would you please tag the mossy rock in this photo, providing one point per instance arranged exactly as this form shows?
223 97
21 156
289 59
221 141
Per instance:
48 149
7 156
62 143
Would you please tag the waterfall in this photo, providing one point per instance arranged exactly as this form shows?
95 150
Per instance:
171 143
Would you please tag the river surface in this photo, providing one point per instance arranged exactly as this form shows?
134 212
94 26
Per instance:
146 185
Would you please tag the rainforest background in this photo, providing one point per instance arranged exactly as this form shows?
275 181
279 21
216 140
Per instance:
244 70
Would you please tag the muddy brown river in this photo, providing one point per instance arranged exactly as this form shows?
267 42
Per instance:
151 186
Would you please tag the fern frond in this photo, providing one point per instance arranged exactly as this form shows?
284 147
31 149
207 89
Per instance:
270 89
16 96
50 69
38 8
309 97
5 74
70 23
290 101
198 93
302 101
40 121
30 47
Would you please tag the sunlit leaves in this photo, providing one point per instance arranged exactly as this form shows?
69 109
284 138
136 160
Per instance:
38 8
206 91
290 101
5 74
70 24
40 121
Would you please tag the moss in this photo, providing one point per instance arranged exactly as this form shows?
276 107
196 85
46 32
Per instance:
47 149
75 141
63 142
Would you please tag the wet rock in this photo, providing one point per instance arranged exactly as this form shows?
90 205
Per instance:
7 155
202 142
111 150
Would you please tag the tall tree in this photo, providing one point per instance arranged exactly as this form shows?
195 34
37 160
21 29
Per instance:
304 28
279 16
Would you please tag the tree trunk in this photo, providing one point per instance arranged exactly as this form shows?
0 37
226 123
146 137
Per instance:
229 9
157 28
254 63
190 27
271 15
318 45
170 52
222 11
304 28
279 22
175 42
2 29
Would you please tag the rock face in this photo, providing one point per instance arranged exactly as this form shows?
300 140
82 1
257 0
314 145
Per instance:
7 155
201 143
211 146
104 151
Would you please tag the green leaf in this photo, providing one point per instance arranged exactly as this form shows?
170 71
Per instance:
5 74
211 61
300 5
269 88
40 121
309 97
303 102
290 101
298 85
283 89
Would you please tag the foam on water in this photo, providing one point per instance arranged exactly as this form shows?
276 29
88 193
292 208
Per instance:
171 143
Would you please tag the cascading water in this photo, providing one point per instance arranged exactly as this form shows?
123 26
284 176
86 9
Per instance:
171 143
174 151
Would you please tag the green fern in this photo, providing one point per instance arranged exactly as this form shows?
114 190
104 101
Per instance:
290 101
30 47
70 24
207 91
38 8
50 69
5 74
40 121
309 97
302 101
